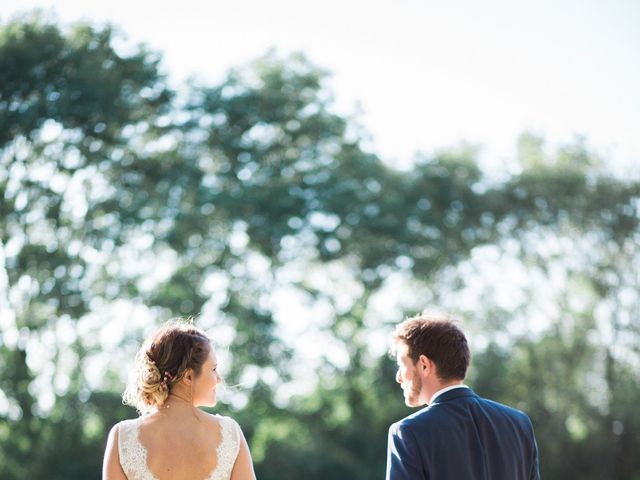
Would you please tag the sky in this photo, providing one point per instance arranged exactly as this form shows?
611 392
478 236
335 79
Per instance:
420 75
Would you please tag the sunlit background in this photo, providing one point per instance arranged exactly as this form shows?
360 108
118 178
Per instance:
297 178
420 75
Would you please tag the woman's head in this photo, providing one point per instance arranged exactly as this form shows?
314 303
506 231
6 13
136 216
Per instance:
177 357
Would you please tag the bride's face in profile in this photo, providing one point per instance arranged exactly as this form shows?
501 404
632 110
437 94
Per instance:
204 389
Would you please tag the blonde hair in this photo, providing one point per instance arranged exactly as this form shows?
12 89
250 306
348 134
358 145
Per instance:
162 361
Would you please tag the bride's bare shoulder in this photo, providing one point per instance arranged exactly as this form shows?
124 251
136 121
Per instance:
221 421
212 418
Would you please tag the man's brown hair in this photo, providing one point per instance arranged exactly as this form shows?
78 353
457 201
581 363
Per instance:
438 338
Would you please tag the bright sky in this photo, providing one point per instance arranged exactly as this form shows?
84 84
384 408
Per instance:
426 74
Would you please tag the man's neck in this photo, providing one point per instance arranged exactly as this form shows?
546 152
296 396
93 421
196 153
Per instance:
444 386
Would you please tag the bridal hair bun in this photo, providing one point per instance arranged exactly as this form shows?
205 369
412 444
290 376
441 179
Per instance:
162 362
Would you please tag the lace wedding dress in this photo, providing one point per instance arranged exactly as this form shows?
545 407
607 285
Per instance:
133 456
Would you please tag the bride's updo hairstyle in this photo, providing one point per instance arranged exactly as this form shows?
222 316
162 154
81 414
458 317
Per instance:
163 361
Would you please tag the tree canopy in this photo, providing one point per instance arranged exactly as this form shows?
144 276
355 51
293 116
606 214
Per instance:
125 203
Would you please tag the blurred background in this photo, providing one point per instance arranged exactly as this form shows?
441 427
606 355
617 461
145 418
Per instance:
297 179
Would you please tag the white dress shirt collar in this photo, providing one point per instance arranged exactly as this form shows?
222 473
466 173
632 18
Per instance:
446 389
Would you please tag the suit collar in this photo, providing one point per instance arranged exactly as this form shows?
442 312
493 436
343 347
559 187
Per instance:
446 389
453 394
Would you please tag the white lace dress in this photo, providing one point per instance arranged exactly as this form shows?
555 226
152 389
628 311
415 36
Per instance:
133 456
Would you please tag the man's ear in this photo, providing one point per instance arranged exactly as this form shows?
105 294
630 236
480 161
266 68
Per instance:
425 364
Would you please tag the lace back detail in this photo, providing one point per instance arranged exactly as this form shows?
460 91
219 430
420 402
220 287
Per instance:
133 455
228 449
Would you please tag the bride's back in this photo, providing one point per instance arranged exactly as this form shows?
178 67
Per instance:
181 448
175 447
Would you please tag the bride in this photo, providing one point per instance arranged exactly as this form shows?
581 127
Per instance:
175 372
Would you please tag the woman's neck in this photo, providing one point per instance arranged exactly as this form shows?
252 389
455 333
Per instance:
177 401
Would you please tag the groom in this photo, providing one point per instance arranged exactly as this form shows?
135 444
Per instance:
459 435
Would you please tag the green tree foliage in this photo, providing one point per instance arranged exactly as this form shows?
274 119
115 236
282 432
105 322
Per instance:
67 102
115 189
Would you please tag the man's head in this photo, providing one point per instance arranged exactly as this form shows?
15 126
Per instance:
432 353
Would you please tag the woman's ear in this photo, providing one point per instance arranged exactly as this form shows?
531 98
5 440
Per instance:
188 377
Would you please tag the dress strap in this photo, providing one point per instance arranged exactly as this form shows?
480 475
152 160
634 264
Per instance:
227 451
133 456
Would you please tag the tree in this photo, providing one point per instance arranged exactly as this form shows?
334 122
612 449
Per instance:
68 103
120 195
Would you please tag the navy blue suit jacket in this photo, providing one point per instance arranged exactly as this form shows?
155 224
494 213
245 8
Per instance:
462 436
